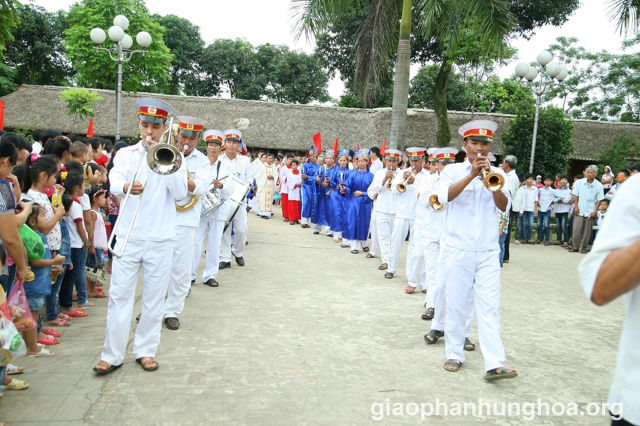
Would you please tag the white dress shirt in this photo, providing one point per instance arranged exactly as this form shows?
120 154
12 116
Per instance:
563 205
376 166
419 186
198 165
435 220
405 202
221 212
471 222
239 167
157 216
512 183
530 198
621 229
386 201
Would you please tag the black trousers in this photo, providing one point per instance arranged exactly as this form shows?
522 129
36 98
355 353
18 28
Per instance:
513 217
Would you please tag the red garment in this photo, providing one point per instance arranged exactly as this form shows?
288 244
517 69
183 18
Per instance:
285 206
103 160
294 210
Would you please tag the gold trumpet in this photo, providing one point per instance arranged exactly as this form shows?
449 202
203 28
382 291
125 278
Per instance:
402 187
492 181
390 171
435 203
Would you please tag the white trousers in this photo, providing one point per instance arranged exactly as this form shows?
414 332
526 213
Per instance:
400 229
318 228
211 228
180 281
384 224
477 272
357 245
154 258
240 230
415 261
431 251
373 228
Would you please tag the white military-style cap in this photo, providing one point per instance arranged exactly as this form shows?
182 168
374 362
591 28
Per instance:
481 130
153 110
214 136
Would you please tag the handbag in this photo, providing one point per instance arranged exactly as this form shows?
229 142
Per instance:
11 343
95 272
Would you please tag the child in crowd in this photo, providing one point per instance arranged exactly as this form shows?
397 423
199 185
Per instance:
38 289
562 208
545 198
54 316
604 205
79 152
503 224
97 195
294 183
75 275
528 206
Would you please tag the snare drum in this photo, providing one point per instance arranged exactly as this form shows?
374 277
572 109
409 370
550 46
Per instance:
210 202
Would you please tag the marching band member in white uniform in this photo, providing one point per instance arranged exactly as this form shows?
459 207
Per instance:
212 225
385 204
189 131
150 245
240 167
417 274
471 251
405 213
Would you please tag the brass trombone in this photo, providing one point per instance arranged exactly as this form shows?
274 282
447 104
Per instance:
163 159
402 187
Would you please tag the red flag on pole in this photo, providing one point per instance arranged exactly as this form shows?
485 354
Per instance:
335 147
2 114
317 141
383 148
90 129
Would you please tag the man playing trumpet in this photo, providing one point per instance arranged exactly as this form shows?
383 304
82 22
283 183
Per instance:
471 250
150 243
189 132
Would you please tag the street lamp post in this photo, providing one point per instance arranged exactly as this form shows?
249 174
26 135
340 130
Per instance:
120 52
549 73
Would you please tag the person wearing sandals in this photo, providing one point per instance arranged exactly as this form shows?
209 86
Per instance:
357 217
405 211
470 251
587 194
385 205
612 270
150 243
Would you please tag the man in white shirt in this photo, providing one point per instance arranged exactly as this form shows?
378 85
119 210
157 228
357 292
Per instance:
212 225
417 274
189 131
385 204
587 194
376 165
471 251
612 270
405 213
257 163
528 207
512 184
150 243
240 167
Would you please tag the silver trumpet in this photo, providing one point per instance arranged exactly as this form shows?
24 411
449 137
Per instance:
163 159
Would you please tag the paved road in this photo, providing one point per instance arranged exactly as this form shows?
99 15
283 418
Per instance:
307 333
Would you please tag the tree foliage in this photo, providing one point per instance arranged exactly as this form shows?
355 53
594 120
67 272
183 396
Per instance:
80 102
554 143
616 153
37 54
148 73
459 91
9 19
7 77
186 45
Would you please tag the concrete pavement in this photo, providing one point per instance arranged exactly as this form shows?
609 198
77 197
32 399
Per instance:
309 334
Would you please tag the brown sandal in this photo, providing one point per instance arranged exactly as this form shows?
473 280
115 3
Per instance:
145 364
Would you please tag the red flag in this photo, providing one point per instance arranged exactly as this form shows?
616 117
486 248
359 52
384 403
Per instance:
383 148
317 141
90 129
335 147
2 114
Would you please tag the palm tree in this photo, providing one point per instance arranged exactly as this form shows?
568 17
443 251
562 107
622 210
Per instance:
625 14
378 38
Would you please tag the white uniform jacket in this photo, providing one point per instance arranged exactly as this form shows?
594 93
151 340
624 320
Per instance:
198 165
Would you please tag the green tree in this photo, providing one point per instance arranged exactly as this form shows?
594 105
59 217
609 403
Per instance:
616 153
186 45
554 143
37 54
506 96
79 102
459 92
9 19
149 73
7 77
625 14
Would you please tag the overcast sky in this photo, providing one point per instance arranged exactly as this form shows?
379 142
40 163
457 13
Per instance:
269 21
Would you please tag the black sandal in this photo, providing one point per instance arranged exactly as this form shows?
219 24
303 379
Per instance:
428 314
369 256
354 251
468 342
435 335
454 362
366 249
155 367
493 375
388 275
108 370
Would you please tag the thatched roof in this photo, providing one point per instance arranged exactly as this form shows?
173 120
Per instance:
281 126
